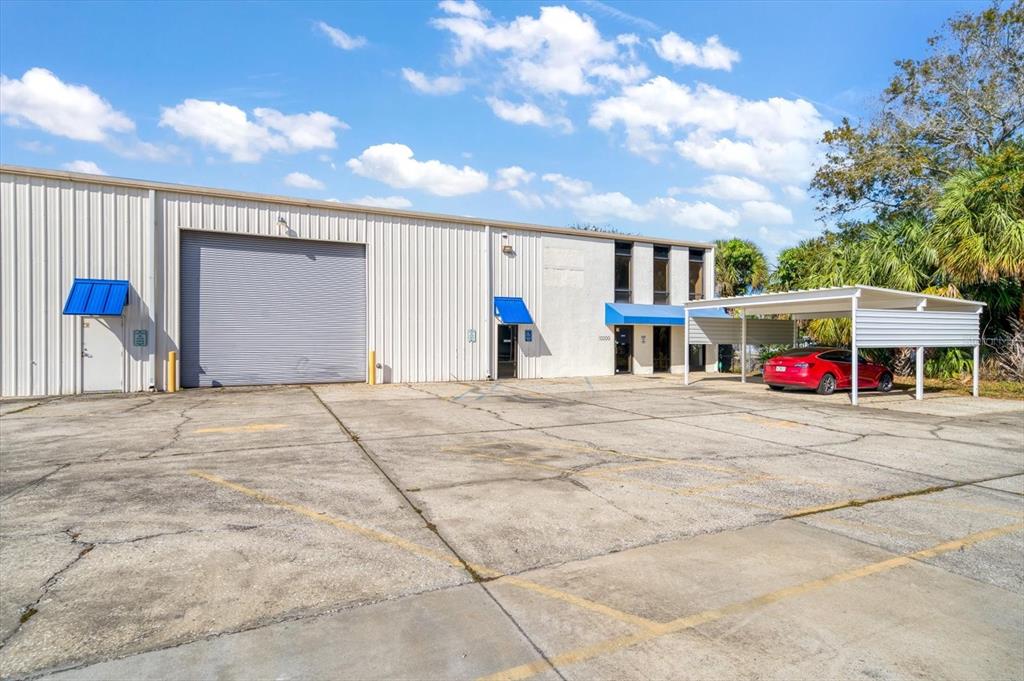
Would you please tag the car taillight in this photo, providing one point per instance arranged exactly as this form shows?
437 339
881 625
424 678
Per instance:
802 365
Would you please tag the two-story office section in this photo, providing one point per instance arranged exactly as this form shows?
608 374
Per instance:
102 278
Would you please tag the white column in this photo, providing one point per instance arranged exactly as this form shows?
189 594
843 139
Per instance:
919 361
686 346
796 337
853 350
977 361
919 374
743 345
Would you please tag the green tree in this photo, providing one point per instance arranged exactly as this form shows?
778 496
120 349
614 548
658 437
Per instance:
740 267
937 116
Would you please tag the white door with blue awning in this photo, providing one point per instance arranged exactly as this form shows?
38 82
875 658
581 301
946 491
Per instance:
100 303
510 312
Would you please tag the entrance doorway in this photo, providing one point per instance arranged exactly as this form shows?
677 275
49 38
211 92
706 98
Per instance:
662 349
507 334
623 349
696 358
102 354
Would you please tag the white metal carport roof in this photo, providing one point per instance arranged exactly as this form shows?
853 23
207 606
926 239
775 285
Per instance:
880 318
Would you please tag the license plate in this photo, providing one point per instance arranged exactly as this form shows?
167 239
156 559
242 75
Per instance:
780 368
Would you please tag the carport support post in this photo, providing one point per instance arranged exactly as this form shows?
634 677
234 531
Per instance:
686 346
743 345
919 362
853 350
974 378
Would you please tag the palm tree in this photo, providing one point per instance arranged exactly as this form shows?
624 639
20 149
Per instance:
978 231
740 267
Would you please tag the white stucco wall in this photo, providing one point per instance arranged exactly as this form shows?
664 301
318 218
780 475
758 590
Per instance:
679 275
578 280
642 274
677 350
643 349
709 274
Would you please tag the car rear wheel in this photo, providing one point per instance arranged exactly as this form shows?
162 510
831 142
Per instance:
775 387
827 385
885 383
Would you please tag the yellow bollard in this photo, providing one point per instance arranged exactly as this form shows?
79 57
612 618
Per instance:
172 372
371 373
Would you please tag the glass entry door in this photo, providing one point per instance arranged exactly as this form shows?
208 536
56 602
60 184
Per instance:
696 358
662 349
507 334
623 349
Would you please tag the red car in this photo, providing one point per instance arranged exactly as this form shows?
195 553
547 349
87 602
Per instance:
825 370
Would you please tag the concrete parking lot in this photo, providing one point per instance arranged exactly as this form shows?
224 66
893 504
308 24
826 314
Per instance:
621 527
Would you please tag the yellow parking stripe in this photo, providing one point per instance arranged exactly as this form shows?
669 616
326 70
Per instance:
250 428
412 547
582 654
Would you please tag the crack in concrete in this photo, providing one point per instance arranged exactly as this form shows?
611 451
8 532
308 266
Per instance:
30 610
35 482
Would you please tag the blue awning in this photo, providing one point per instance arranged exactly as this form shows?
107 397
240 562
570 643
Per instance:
632 313
511 310
97 297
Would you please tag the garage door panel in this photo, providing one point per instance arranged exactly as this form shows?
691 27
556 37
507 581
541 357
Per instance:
257 310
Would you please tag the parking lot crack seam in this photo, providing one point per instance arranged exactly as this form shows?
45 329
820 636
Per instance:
471 570
35 482
176 434
855 503
30 610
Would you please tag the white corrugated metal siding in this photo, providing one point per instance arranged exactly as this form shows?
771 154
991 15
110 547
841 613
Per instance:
419 305
912 328
712 330
52 232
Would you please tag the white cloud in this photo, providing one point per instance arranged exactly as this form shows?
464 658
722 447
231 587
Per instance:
439 85
527 199
394 165
468 8
768 212
396 202
699 215
789 160
302 181
567 185
314 130
558 52
228 129
527 114
774 139
610 205
42 99
84 167
794 192
511 177
339 38
711 55
732 188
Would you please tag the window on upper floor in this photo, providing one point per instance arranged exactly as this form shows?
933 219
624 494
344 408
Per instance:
696 274
661 295
623 265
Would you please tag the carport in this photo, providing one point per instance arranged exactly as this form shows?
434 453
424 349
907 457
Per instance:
879 318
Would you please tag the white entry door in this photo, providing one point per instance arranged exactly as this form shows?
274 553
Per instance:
102 354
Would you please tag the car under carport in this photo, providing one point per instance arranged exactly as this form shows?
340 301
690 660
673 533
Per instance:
879 318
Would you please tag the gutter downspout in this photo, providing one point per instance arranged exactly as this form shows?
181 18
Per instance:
490 302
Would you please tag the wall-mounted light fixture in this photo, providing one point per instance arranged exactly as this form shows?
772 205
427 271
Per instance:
281 222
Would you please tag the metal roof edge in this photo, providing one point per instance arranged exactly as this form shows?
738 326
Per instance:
334 205
806 295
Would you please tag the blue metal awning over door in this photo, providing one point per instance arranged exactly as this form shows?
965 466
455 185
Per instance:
511 311
97 297
632 313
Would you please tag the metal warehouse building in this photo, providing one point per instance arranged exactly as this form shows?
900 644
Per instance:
103 277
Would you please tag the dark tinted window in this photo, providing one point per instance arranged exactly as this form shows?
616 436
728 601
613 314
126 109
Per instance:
623 256
661 274
796 352
837 356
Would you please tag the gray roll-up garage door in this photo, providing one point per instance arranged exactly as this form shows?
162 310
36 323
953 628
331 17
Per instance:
261 310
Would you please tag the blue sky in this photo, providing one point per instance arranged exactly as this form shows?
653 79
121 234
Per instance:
684 120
